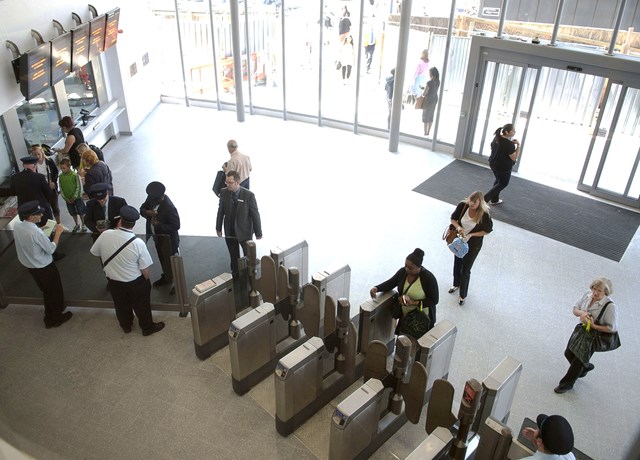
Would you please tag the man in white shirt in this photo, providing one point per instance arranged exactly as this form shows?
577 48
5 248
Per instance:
35 251
553 438
126 261
238 162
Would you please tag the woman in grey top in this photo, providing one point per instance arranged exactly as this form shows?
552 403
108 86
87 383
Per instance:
588 309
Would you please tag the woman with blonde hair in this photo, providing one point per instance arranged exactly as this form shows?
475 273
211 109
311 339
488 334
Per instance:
472 221
96 171
595 307
420 75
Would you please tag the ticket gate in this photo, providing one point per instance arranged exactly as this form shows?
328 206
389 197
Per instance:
273 280
291 323
492 399
366 419
317 371
215 303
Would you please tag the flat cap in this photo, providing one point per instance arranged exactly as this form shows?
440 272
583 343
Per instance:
30 208
129 213
99 190
155 190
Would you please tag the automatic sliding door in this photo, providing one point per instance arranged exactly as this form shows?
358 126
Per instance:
612 162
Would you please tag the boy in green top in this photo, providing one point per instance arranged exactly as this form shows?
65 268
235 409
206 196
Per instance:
71 192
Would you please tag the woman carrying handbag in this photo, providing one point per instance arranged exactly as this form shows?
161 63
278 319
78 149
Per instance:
597 310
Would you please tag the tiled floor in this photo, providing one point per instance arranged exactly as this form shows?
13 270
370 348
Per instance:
86 390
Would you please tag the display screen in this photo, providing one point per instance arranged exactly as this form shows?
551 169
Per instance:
111 36
33 70
60 58
80 46
96 43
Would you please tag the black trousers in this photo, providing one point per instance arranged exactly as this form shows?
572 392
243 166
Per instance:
462 269
575 368
368 52
132 296
234 251
163 247
245 183
501 182
49 282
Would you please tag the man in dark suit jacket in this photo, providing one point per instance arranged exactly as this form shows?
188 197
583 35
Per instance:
238 210
163 223
96 206
29 185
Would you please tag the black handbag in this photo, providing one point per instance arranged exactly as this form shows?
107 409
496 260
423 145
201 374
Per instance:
605 341
416 323
581 343
219 183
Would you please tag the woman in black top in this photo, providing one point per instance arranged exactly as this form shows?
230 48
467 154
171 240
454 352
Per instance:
416 286
74 138
472 221
504 153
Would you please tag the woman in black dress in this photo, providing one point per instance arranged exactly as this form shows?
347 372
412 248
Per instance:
504 153
74 138
430 99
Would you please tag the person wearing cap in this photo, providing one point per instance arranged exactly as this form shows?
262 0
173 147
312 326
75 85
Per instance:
29 185
163 223
126 261
238 162
553 439
35 251
417 286
238 210
102 208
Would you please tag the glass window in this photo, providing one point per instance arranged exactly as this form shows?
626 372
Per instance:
7 161
79 86
39 119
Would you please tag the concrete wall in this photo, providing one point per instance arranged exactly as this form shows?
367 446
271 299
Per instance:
140 93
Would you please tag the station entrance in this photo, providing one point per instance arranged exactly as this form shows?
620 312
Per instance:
578 127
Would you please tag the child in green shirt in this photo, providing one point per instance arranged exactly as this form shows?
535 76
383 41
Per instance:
71 192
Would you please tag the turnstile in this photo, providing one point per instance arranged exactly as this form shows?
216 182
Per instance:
290 330
215 303
317 371
353 434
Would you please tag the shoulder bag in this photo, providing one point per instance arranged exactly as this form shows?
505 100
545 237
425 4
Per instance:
450 233
605 341
419 102
415 323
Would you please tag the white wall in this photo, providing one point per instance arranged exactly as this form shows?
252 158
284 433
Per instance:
140 93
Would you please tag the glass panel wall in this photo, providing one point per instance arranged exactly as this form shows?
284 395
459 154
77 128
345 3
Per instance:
166 32
79 87
39 119
7 161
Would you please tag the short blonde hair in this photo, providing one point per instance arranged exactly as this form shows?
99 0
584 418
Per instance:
602 283
81 148
425 55
89 157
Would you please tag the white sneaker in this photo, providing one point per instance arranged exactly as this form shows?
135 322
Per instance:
495 202
75 228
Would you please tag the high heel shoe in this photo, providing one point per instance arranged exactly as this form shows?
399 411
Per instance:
460 301
452 289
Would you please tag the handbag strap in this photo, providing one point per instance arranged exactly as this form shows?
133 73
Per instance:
104 264
409 287
602 312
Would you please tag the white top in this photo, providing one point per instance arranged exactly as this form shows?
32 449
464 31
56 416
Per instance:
127 265
467 223
610 317
241 164
32 245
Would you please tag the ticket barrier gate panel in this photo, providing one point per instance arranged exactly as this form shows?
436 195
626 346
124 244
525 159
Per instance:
309 314
376 321
435 350
435 447
325 372
272 283
213 307
334 282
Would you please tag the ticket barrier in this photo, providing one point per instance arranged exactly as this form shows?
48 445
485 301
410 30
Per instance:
383 404
215 303
492 399
257 342
317 371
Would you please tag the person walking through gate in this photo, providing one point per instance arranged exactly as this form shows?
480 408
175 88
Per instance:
504 154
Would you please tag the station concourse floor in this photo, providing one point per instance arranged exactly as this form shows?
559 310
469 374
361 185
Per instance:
88 391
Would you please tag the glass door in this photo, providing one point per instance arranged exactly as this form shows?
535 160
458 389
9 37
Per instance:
504 96
612 161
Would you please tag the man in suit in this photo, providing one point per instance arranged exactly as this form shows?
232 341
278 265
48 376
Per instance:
29 185
163 223
238 210
102 208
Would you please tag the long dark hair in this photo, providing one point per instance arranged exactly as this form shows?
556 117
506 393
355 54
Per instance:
505 129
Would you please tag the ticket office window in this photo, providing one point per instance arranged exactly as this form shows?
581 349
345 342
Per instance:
39 119
80 89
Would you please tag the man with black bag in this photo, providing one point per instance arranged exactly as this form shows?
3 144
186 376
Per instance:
126 261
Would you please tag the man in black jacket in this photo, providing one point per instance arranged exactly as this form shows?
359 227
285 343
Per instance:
163 223
238 210
102 209
28 185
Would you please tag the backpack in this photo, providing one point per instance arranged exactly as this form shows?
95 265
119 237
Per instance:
98 151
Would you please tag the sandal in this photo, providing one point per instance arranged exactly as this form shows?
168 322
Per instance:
452 289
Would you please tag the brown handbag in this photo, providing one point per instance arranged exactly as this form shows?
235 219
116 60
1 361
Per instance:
419 102
449 234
